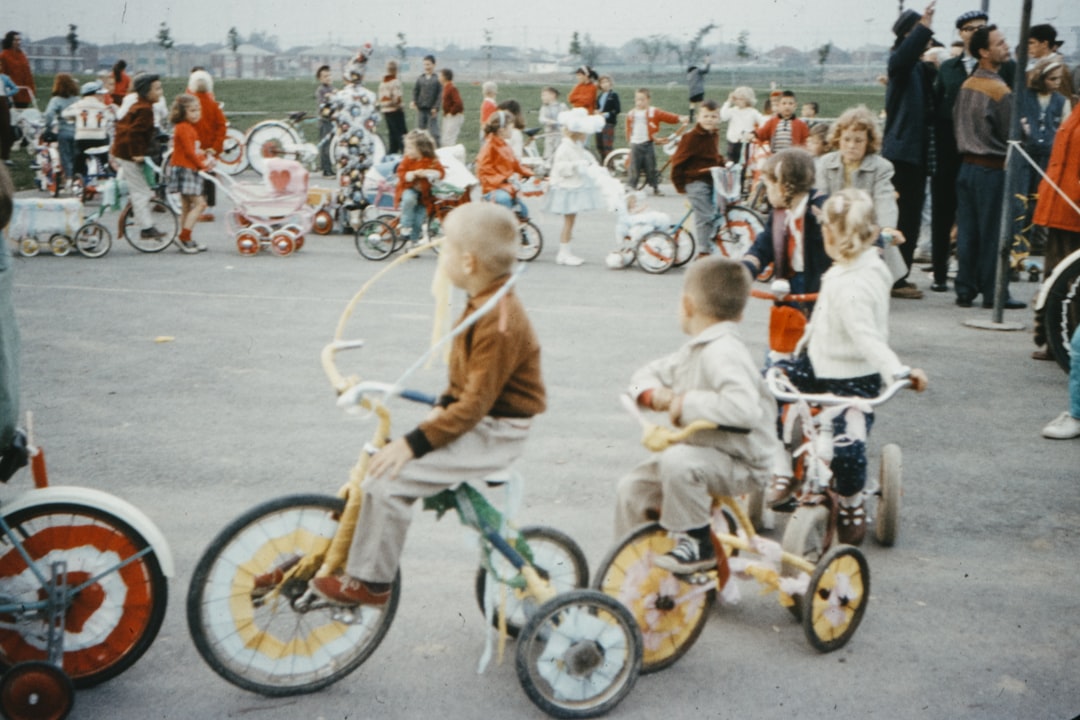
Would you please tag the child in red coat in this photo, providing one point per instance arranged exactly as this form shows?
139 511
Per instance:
187 160
419 168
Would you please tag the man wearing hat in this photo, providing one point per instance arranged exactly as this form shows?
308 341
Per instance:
908 122
93 119
951 75
1043 43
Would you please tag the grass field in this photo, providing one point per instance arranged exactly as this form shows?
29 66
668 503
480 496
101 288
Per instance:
249 101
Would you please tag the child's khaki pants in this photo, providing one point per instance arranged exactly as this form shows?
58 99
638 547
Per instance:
386 512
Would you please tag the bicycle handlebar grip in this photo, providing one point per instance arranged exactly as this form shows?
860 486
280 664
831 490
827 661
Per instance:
419 397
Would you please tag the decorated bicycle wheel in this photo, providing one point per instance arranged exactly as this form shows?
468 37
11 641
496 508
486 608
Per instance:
836 598
739 230
670 612
113 613
249 618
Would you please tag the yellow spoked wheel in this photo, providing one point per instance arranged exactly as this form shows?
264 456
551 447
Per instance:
669 611
247 611
836 598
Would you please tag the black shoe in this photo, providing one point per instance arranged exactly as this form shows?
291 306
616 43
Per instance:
151 233
688 557
939 287
1010 304
964 302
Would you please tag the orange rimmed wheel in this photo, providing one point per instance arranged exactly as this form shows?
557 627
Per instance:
322 223
36 690
282 242
111 613
248 241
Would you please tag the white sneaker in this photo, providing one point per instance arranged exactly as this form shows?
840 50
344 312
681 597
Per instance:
1063 427
565 257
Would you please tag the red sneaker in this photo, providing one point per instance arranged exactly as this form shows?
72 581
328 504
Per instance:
348 591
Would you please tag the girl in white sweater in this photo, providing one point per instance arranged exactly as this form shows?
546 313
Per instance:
742 117
845 350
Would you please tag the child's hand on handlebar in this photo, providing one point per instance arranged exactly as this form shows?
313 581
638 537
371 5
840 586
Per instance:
919 381
391 459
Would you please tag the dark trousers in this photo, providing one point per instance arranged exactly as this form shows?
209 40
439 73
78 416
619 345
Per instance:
395 129
942 215
979 194
326 129
642 159
7 133
605 141
909 181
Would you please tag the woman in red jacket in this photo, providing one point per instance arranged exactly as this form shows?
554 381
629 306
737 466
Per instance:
187 160
210 127
17 67
496 165
584 93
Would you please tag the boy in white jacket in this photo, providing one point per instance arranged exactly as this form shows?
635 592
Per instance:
712 377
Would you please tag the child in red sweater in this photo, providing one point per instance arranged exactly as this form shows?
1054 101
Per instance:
187 160
418 168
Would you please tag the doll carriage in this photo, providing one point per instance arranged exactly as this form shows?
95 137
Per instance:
274 214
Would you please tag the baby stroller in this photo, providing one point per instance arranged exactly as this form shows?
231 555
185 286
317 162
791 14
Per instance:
274 214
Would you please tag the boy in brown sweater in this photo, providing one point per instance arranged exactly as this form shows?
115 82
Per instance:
698 152
481 421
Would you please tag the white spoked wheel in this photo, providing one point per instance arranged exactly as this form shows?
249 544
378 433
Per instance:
532 242
164 221
891 489
233 157
617 163
557 559
738 232
93 240
60 244
248 617
685 246
655 253
269 139
579 655
29 247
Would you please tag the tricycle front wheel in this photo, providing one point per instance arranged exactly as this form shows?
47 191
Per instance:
836 598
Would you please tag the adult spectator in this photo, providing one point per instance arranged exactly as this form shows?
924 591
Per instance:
122 81
856 163
1044 45
908 121
17 67
951 75
7 133
210 130
981 118
453 109
583 95
391 104
427 97
1053 211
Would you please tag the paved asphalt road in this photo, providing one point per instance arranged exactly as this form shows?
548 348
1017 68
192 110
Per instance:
973 614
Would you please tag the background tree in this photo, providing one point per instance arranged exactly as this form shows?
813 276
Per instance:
688 53
164 36
164 39
652 47
233 39
401 47
743 45
575 45
73 39
823 57
590 51
264 40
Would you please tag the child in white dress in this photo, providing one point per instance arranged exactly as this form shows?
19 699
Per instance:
572 185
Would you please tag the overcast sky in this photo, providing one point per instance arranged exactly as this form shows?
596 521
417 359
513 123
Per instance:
545 24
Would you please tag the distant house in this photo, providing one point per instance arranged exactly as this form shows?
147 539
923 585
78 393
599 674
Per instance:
304 61
52 55
248 61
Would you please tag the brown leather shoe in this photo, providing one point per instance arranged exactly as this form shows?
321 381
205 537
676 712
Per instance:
851 524
348 591
781 492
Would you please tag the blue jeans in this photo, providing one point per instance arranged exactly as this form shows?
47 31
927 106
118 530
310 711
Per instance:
66 146
413 214
979 194
501 197
1074 376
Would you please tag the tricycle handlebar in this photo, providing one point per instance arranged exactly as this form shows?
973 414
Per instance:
784 391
